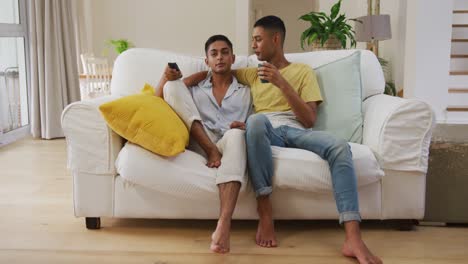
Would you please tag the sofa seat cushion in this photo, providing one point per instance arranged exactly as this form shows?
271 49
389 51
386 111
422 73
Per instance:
304 170
186 174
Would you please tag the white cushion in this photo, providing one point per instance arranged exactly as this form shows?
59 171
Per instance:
186 175
304 170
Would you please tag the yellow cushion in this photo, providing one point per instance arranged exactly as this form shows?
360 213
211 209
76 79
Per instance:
148 121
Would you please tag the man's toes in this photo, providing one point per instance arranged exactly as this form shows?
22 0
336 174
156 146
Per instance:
215 248
218 249
376 260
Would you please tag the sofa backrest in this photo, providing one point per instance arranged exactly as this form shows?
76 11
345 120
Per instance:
372 77
135 67
138 66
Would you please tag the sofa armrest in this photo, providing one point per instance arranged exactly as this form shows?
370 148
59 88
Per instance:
91 145
398 131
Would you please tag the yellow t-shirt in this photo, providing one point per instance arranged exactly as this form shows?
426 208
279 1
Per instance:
269 98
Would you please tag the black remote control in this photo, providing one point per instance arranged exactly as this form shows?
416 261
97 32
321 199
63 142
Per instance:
174 66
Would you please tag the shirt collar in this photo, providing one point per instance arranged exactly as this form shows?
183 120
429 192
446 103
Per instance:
207 84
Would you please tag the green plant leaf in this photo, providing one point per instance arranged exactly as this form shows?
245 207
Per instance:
340 19
390 88
312 38
307 17
305 35
313 16
342 38
383 62
324 26
335 9
120 45
324 39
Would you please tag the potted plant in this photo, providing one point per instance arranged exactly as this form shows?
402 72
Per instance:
120 45
390 88
327 31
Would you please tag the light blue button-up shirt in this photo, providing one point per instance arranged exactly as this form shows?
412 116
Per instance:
235 106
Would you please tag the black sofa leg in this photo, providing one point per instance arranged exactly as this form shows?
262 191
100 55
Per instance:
93 222
406 224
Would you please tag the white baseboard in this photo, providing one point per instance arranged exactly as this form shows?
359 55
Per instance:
15 135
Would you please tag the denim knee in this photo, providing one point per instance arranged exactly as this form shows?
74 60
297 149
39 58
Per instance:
256 124
340 146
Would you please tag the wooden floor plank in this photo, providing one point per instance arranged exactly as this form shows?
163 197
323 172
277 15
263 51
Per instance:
38 226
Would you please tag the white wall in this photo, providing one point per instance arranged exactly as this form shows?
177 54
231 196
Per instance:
177 25
392 49
289 12
184 25
419 50
427 51
244 21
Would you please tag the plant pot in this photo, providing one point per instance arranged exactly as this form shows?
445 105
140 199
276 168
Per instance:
333 43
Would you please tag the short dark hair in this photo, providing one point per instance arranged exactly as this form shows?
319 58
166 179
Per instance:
273 23
215 38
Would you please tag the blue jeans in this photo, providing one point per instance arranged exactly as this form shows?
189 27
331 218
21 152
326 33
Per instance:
260 136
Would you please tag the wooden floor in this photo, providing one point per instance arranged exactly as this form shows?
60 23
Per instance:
37 226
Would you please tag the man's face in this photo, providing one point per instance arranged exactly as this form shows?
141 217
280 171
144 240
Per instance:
219 57
263 44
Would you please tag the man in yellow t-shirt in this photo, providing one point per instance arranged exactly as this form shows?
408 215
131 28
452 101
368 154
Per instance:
285 97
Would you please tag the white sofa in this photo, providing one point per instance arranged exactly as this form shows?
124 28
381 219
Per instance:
113 179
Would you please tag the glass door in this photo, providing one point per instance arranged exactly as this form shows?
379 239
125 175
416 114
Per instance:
14 107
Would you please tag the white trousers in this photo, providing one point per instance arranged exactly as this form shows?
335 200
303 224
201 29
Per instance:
231 145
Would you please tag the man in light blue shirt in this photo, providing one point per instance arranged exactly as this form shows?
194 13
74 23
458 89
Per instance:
215 111
235 106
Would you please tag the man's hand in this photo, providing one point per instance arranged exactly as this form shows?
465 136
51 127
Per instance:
238 124
270 73
168 75
306 113
172 74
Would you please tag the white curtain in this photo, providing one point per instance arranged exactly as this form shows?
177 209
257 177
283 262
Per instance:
54 73
83 21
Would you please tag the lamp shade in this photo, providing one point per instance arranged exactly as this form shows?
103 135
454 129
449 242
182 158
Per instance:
375 27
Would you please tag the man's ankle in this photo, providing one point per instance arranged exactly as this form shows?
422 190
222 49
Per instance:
224 223
264 206
352 230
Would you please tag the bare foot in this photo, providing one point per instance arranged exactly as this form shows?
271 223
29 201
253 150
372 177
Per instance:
355 248
266 230
220 238
266 234
214 158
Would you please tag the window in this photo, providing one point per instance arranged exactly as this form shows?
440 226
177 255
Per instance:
14 109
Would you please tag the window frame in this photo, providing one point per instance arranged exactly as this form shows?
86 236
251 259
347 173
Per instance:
14 31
